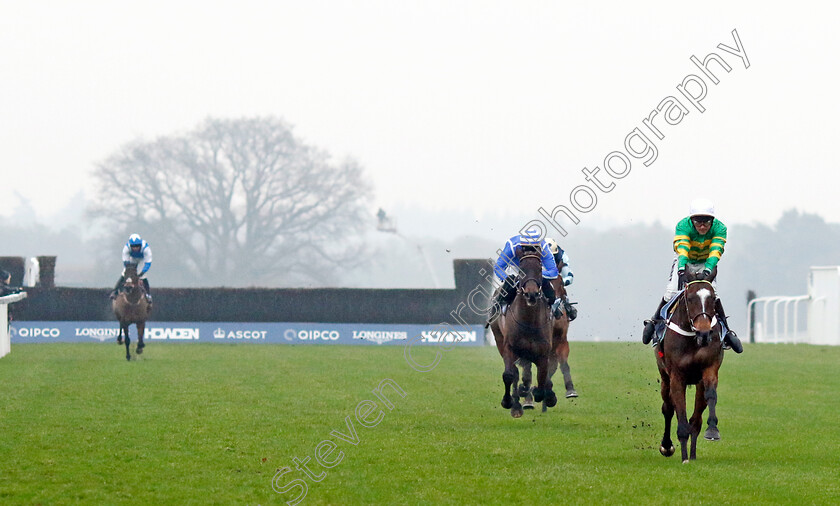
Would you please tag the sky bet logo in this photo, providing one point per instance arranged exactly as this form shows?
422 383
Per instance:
219 333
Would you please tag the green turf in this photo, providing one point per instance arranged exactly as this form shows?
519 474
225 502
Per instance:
211 424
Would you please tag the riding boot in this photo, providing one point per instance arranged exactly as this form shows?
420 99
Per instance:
113 294
504 296
650 325
730 340
548 292
570 309
148 291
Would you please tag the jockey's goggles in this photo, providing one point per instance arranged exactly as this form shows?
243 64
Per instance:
702 219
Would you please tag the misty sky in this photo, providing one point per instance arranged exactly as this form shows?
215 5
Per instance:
471 106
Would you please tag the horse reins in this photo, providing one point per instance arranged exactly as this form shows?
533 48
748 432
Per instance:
524 282
679 330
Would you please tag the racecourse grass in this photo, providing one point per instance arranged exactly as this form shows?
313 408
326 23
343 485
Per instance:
211 424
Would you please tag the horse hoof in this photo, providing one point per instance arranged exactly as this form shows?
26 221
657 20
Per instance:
523 390
712 434
686 461
507 402
139 349
119 340
551 400
516 413
128 358
539 395
666 452
571 393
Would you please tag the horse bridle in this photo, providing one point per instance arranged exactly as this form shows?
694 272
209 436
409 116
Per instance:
691 319
524 281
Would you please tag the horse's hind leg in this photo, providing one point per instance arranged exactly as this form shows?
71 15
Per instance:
666 448
120 336
563 358
525 387
141 329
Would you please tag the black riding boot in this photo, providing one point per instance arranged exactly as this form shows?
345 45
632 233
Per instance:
548 292
504 295
730 340
148 291
570 309
113 294
650 325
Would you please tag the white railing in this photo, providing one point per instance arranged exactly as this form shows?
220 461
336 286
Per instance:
5 337
781 334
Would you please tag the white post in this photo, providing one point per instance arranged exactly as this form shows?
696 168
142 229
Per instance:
5 337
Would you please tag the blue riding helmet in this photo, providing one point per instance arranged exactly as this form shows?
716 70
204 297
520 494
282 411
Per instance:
135 240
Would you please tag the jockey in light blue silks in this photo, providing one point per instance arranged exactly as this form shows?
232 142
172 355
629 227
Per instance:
136 251
561 258
507 269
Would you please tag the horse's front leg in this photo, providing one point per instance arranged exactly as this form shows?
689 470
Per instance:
127 343
141 330
710 381
696 421
678 400
666 447
544 386
510 377
120 336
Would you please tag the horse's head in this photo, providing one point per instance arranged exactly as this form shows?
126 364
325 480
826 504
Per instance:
530 274
131 278
700 308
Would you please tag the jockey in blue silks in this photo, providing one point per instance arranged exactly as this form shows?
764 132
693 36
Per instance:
507 269
136 251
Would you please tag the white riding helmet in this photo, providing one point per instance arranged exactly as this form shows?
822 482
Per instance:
553 247
701 207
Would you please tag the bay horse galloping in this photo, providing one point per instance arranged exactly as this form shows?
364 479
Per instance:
525 331
560 357
690 354
130 306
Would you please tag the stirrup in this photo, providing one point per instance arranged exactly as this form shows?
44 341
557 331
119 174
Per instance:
555 308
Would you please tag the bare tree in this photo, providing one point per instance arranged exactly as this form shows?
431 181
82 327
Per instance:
238 202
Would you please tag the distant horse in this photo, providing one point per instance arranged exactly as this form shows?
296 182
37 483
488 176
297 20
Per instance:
525 331
130 306
560 357
690 354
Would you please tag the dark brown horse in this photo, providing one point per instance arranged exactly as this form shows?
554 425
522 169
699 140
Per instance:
130 306
525 331
690 354
560 341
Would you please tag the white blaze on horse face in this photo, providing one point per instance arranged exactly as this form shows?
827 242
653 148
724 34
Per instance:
704 294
